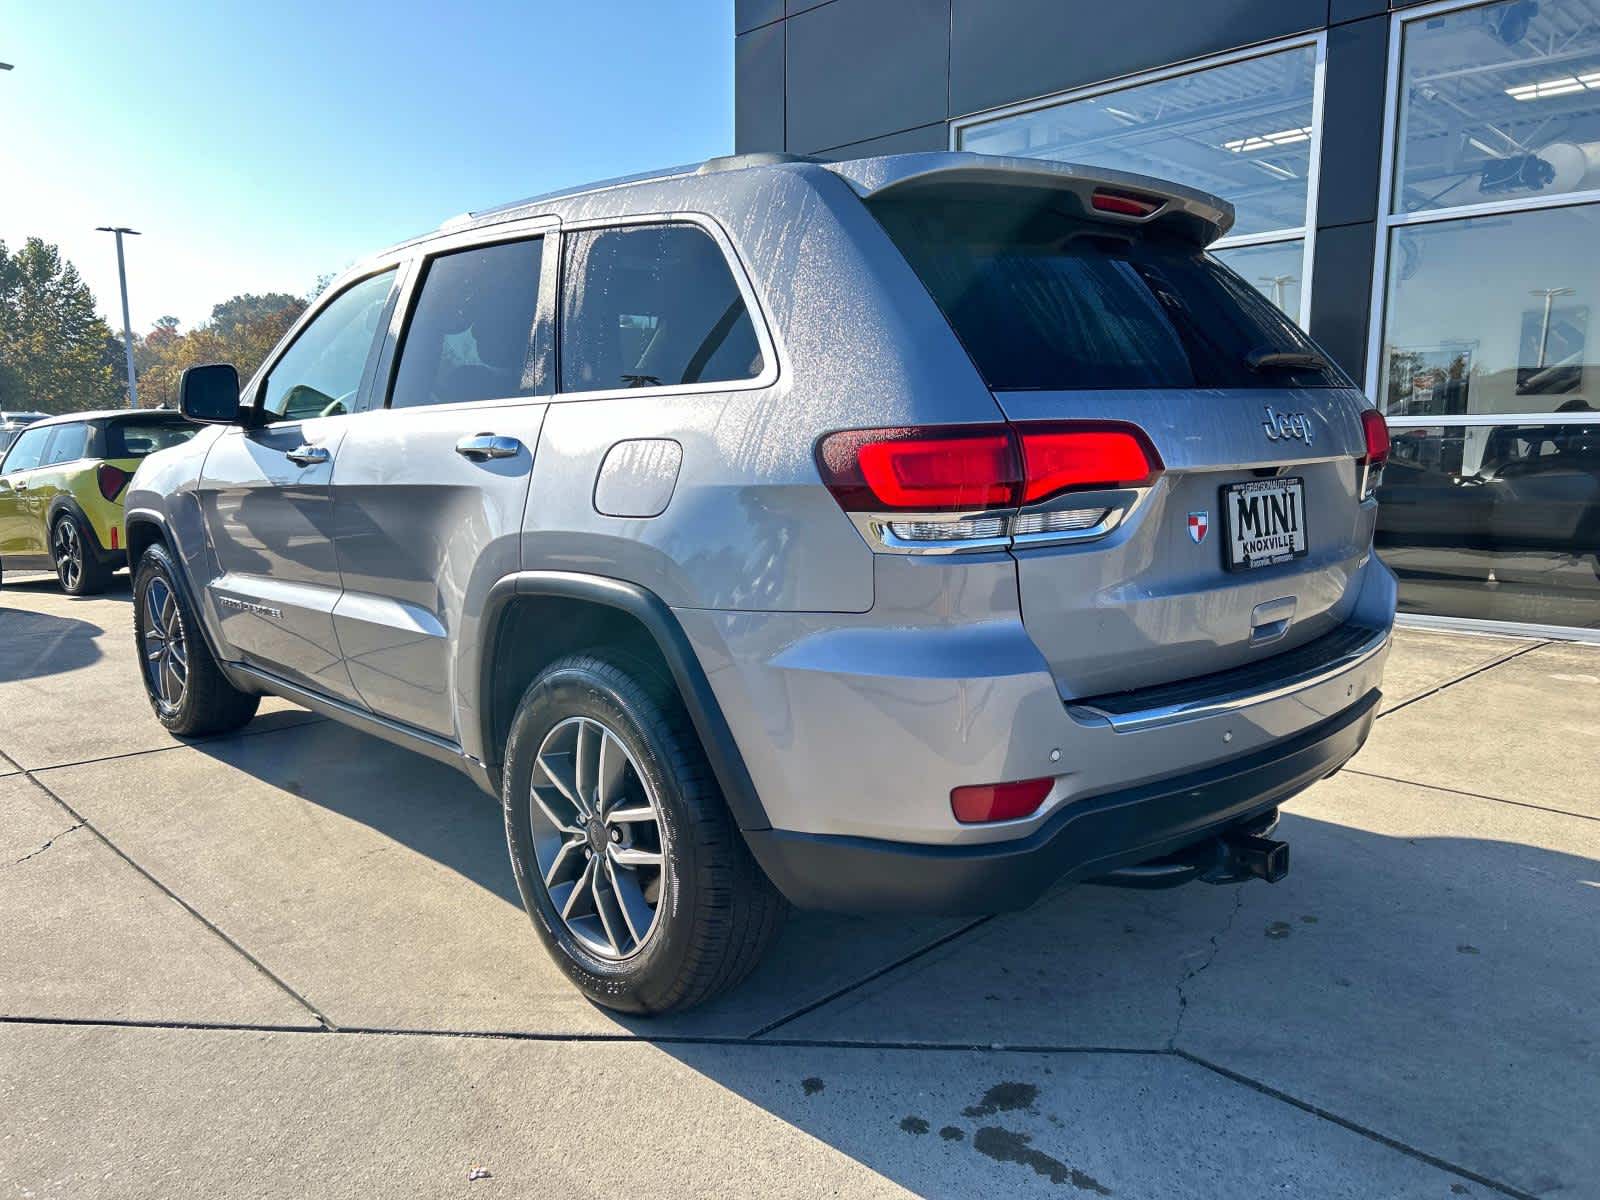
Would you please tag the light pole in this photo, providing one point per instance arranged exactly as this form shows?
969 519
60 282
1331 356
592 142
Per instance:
127 325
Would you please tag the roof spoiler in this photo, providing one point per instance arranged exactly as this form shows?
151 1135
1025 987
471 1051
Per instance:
1117 197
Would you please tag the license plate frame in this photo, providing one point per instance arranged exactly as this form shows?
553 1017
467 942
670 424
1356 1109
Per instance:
1275 552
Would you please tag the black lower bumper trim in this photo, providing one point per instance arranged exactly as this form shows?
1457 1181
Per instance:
1091 836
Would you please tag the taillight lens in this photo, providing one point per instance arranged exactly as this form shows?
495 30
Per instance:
1376 432
999 801
965 468
111 480
1125 204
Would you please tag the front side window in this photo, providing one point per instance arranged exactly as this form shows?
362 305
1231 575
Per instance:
319 375
471 332
651 306
69 445
27 450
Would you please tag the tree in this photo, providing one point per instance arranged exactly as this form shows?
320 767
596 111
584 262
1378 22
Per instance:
241 331
52 344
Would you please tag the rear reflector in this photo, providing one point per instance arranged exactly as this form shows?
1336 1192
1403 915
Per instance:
1126 204
999 801
973 468
114 533
111 480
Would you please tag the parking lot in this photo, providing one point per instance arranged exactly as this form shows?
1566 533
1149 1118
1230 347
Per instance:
291 962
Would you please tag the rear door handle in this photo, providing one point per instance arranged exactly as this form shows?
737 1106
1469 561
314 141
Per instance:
482 446
308 456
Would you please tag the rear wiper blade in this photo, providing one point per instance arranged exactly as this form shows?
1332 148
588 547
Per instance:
1285 360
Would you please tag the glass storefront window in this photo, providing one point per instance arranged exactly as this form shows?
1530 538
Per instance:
1495 522
1499 102
1273 269
1242 130
1494 314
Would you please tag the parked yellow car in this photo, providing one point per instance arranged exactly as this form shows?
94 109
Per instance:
61 486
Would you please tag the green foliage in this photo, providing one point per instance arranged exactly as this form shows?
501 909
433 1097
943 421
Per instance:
53 348
241 331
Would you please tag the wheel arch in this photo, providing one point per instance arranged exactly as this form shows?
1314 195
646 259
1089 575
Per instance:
66 502
573 611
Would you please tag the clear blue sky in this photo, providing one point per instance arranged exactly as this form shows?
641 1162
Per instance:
260 145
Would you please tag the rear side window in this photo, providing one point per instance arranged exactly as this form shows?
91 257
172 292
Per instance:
471 333
1043 299
651 306
136 438
69 445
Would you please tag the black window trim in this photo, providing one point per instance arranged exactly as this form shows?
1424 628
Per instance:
770 370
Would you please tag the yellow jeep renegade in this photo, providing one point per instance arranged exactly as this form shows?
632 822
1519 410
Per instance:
61 485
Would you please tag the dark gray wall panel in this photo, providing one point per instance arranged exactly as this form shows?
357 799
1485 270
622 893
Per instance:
1354 10
1341 294
907 141
861 68
1007 50
758 90
747 14
1352 121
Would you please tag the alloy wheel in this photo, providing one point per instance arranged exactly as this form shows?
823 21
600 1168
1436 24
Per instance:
166 649
69 553
597 838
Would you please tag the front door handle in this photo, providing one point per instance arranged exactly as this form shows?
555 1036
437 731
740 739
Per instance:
482 446
308 456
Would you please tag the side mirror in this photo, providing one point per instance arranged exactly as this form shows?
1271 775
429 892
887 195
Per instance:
209 395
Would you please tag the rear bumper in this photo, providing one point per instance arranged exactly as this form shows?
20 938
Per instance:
1088 837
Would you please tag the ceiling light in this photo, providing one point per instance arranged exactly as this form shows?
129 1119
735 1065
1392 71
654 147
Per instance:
1564 85
1269 141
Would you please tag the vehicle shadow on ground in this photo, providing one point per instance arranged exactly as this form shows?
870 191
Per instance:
33 645
1440 991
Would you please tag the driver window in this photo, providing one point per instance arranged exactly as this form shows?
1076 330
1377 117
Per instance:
319 375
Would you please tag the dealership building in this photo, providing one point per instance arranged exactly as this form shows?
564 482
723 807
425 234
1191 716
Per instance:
1418 185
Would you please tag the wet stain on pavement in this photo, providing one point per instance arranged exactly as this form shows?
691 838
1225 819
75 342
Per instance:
1003 1145
812 1085
1466 949
1003 1097
1278 930
914 1125
951 1134
1308 919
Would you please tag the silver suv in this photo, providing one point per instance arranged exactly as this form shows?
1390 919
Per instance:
904 534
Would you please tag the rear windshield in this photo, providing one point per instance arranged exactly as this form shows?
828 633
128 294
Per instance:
1043 299
136 438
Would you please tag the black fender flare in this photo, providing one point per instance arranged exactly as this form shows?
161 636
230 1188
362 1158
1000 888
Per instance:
66 503
722 751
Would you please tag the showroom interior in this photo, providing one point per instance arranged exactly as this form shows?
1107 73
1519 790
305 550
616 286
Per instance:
1418 185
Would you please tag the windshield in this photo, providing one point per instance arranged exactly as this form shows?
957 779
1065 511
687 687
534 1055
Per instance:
1045 300
136 438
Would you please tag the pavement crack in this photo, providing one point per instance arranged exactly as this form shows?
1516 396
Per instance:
50 841
1191 973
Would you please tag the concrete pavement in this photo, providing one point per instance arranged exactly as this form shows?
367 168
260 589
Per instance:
291 962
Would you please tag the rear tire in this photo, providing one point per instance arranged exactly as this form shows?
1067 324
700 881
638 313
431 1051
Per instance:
186 688
641 938
72 551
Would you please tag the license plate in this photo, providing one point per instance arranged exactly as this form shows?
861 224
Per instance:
1266 522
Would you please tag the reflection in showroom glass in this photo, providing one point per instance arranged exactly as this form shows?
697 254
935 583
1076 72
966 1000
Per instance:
1495 522
1274 270
1499 102
1494 314
1242 130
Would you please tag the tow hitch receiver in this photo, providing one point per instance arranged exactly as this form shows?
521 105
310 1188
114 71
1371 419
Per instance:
1242 856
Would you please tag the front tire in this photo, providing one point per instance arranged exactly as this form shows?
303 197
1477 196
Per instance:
627 858
186 688
78 567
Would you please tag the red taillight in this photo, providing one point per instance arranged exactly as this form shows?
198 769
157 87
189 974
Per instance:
971 468
999 801
1062 458
111 479
1125 204
1376 430
937 469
